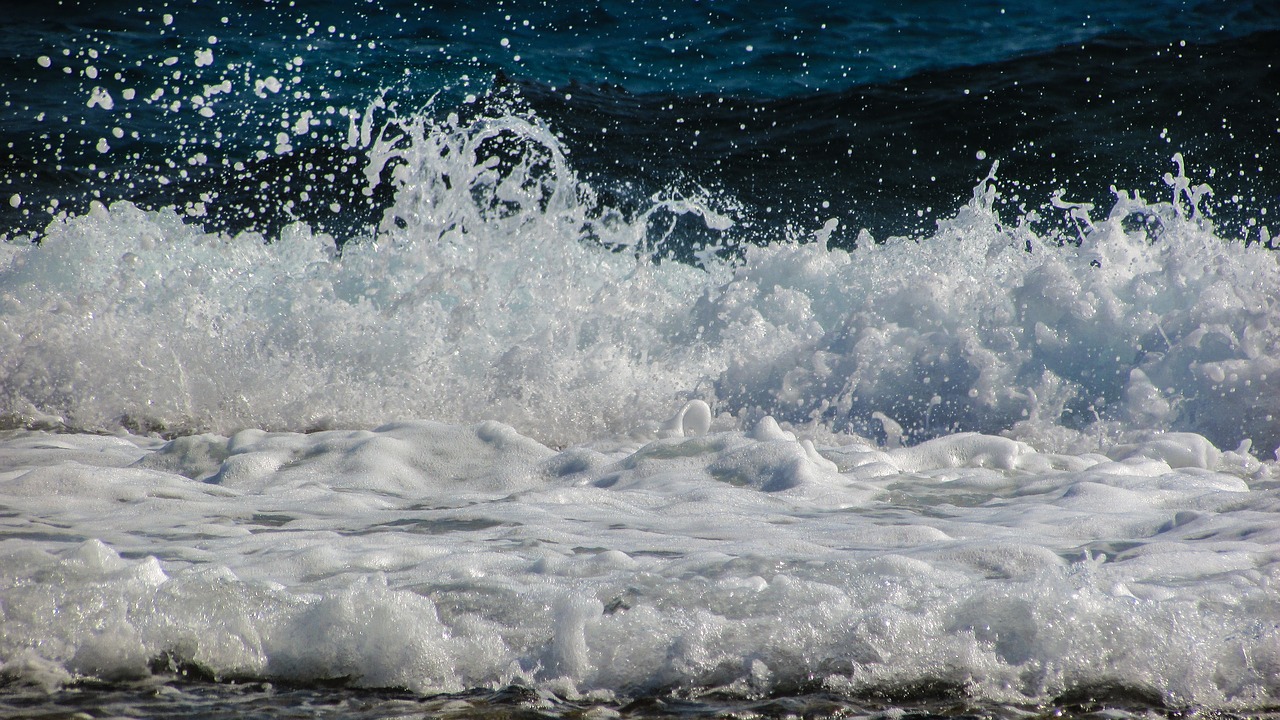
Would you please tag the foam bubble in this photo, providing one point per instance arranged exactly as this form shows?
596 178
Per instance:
439 558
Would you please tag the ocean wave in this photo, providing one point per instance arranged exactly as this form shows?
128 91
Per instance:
499 286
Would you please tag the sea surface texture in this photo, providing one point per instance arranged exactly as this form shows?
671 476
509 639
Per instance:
379 359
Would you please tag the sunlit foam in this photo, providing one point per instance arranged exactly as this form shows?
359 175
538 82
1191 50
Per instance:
498 287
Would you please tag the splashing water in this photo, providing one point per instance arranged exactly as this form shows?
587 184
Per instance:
497 286
503 396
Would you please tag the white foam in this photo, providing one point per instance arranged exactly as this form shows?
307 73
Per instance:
489 495
488 293
440 558
693 419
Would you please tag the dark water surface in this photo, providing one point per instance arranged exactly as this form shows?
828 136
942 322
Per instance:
253 700
882 115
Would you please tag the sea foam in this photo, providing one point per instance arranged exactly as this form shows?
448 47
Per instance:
498 287
996 463
514 433
441 558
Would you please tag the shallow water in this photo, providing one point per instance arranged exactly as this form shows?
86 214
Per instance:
197 700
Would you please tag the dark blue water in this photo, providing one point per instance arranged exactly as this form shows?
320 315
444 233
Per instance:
883 115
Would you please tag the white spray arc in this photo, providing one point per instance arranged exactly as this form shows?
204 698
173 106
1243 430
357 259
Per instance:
498 287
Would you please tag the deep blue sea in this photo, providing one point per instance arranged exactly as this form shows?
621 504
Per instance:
705 359
889 113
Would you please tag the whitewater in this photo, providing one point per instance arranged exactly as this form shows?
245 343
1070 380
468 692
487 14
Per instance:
408 409
498 287
505 441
